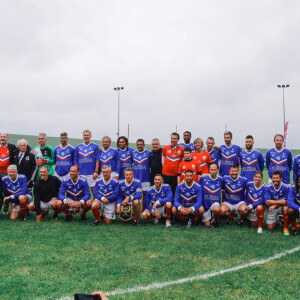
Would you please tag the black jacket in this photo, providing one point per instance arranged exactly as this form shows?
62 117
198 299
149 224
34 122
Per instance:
155 164
28 165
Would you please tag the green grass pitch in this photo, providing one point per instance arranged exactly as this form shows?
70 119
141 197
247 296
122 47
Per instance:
55 259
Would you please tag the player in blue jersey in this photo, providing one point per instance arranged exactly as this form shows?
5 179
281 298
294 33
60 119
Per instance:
106 194
188 200
74 193
211 185
109 157
130 194
187 141
229 154
254 211
279 159
141 166
63 158
125 155
214 154
87 158
15 192
235 192
296 168
276 195
293 203
158 201
251 160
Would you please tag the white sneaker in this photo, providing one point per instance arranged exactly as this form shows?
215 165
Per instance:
259 230
156 221
168 223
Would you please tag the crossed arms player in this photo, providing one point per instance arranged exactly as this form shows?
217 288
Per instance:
74 193
106 194
158 201
188 199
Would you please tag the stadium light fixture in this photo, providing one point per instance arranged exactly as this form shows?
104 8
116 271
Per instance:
283 86
119 90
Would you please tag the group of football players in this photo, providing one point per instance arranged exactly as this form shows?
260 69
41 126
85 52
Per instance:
179 182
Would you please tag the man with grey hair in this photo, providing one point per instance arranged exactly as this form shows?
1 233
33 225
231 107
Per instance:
87 158
16 193
44 154
26 161
155 160
63 158
110 157
6 152
106 193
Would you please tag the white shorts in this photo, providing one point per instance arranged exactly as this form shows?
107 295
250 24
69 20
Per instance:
109 210
209 214
145 186
252 216
62 178
161 210
113 175
233 207
46 205
89 178
272 215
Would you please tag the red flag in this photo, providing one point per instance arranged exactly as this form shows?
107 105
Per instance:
285 129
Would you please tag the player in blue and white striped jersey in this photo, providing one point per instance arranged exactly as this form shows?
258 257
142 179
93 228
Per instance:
276 195
130 193
109 157
229 154
106 194
188 199
87 158
279 159
125 155
254 211
63 158
74 193
16 192
214 154
158 201
235 192
251 160
212 195
187 135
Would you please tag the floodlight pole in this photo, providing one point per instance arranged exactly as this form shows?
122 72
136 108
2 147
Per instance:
119 90
283 86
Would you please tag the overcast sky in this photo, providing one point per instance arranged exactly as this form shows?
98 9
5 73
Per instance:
197 65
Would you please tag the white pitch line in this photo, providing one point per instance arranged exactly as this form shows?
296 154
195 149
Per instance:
160 285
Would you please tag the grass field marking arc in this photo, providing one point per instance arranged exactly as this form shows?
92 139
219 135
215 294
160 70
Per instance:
160 285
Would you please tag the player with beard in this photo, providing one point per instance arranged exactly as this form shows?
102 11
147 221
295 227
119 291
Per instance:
125 155
251 160
187 141
188 199
229 154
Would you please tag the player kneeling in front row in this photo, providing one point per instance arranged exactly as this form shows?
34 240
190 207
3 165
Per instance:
254 211
212 192
45 195
15 190
74 193
188 200
130 194
235 188
293 203
160 196
106 193
276 194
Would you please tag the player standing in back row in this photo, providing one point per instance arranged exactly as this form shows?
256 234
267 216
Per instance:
229 154
171 158
279 159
